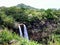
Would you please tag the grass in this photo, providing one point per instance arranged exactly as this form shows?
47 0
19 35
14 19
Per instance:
57 40
7 36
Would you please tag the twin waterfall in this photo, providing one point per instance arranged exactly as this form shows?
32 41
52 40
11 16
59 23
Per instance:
25 32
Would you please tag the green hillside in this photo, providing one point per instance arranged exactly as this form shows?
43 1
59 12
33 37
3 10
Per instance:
43 25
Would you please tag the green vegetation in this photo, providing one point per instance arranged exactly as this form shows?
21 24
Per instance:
47 22
7 36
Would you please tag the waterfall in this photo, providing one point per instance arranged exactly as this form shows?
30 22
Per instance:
20 32
25 32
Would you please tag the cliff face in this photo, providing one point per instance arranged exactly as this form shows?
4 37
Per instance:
41 29
38 30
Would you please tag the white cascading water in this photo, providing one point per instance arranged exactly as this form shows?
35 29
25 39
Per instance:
20 31
25 32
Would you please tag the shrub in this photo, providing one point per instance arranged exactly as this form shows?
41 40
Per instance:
6 36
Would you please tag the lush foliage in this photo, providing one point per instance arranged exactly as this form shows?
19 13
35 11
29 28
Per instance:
7 36
43 20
